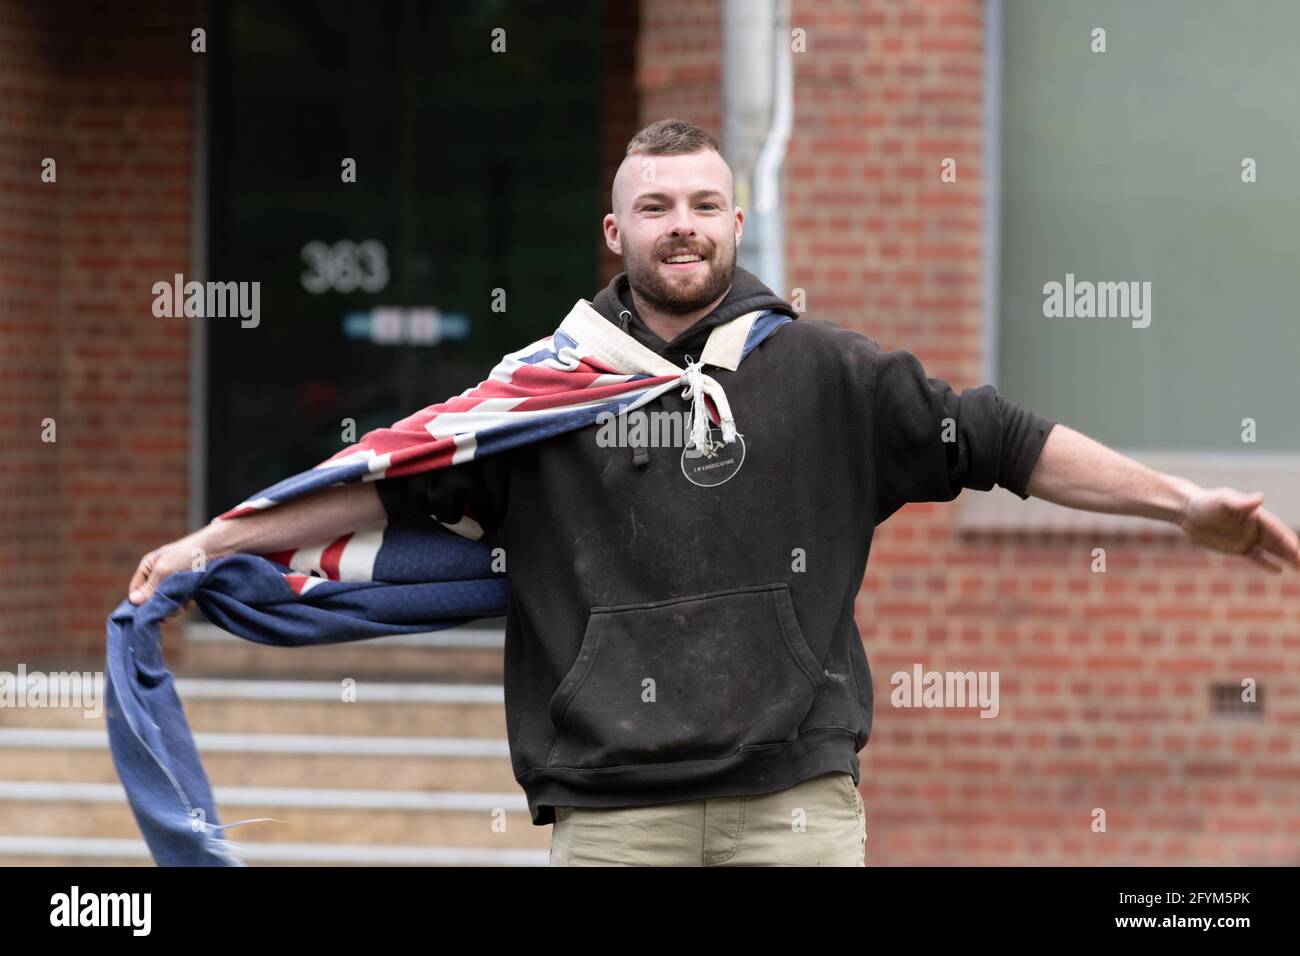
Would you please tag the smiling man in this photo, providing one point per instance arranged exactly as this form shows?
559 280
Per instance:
685 683
675 276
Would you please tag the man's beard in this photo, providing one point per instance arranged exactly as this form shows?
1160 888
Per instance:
648 280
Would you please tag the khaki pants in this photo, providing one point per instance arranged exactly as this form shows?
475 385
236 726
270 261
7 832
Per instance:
819 822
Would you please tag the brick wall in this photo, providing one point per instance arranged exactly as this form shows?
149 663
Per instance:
106 92
1105 678
30 517
679 62
618 111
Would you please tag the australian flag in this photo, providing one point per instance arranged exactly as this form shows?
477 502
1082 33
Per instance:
394 578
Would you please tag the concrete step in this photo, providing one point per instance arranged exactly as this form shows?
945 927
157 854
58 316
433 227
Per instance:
286 815
457 655
367 784
277 706
59 851
277 760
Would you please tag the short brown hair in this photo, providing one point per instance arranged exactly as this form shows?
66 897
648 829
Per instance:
667 136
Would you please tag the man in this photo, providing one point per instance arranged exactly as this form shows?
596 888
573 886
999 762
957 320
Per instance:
684 680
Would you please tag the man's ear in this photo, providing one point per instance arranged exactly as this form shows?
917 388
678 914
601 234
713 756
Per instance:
613 239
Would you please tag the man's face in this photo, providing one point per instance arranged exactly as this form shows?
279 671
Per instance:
669 207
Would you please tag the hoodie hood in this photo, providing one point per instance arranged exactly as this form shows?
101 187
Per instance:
747 294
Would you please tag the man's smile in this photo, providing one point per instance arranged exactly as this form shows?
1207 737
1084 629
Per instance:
682 261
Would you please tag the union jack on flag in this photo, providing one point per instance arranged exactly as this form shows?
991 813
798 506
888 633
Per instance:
562 382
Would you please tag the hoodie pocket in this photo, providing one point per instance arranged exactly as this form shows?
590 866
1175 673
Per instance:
690 678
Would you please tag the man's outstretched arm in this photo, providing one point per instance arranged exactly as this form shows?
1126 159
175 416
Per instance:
1077 472
320 516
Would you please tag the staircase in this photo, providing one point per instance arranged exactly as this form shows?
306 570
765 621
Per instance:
414 771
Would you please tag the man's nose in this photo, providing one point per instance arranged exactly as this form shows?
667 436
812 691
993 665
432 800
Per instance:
683 223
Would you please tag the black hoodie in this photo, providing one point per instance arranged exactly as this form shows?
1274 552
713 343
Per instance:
668 640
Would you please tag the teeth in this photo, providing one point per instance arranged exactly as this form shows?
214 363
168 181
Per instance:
684 258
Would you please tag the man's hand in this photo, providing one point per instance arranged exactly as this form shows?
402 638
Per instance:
1229 520
161 563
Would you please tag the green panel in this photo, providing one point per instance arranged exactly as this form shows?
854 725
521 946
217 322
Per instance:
1126 165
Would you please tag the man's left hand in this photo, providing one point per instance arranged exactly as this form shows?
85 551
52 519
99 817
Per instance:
1234 522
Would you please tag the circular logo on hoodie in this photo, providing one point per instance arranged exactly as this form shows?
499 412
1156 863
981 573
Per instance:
718 462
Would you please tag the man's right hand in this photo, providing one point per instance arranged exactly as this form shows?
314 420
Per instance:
159 564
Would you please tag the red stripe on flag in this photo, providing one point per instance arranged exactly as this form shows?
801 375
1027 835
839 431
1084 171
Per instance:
330 558
593 394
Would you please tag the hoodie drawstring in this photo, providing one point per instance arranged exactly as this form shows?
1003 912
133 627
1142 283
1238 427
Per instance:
693 391
696 384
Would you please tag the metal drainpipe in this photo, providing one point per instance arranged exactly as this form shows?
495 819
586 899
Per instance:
757 92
